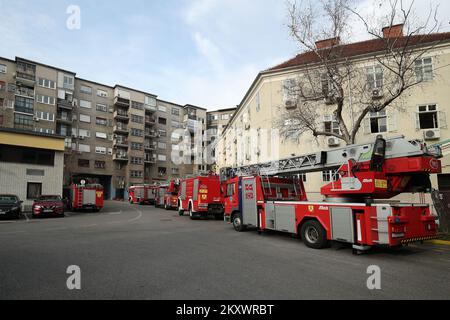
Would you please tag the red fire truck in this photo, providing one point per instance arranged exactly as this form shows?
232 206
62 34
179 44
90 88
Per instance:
86 196
171 195
141 194
201 197
160 194
356 210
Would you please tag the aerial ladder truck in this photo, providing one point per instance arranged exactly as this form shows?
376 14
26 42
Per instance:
357 208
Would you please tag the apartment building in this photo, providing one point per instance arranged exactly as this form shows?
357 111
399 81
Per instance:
216 124
114 135
424 115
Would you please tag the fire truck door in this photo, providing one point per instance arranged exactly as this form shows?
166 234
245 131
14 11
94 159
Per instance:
249 210
183 191
89 197
342 225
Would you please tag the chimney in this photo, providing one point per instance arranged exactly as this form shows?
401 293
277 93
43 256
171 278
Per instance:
395 31
328 43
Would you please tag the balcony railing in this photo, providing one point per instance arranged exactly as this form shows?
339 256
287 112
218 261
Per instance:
119 114
150 109
23 109
150 120
120 156
123 143
121 128
26 76
26 92
66 104
149 158
64 118
151 134
121 102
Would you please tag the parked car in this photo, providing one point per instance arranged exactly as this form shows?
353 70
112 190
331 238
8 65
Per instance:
48 206
10 206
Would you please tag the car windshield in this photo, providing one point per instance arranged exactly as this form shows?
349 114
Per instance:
8 199
49 198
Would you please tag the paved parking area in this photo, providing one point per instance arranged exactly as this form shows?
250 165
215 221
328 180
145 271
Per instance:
139 252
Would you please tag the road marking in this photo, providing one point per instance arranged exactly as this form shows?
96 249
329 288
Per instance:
115 213
11 232
56 229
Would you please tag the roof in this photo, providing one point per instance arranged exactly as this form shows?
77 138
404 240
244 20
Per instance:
363 48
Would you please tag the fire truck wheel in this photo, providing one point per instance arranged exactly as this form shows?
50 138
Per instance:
237 223
314 235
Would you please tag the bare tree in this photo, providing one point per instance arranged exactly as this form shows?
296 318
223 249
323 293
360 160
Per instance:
334 80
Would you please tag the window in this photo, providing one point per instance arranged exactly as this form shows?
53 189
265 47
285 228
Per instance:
428 117
290 88
45 83
329 176
258 102
137 161
162 133
22 121
85 118
25 105
102 93
34 190
137 105
162 145
46 116
137 174
45 99
84 148
162 108
1 119
101 121
68 82
82 133
137 132
3 68
424 69
225 117
11 87
2 85
137 119
101 135
100 165
82 163
102 107
175 111
374 77
100 150
176 124
328 86
162 121
162 157
136 146
85 104
331 125
302 177
86 90
378 122
230 189
150 101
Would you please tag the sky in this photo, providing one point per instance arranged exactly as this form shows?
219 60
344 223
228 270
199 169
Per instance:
201 52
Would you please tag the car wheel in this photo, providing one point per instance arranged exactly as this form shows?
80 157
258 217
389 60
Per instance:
237 223
314 235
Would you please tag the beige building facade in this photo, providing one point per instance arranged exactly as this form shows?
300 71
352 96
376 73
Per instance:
251 137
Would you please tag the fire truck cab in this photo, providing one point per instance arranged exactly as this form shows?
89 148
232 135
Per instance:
160 193
86 196
141 195
352 211
201 197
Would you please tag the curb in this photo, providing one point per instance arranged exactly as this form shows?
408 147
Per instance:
441 242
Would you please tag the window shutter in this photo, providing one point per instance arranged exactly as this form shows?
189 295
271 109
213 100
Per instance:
417 121
366 126
392 123
442 120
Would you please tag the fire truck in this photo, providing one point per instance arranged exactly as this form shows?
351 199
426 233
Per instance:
356 209
160 194
86 196
201 197
171 195
141 194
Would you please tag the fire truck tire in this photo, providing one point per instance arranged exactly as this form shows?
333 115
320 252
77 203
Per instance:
191 213
237 223
180 209
314 235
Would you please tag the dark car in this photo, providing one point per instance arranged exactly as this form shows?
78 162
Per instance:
10 206
46 206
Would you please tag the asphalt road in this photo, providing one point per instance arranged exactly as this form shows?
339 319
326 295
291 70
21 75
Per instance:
139 252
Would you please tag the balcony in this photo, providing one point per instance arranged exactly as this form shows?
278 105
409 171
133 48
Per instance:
121 128
25 92
26 73
65 104
120 143
151 134
64 118
121 102
150 120
150 158
121 115
150 109
22 109
120 156
149 147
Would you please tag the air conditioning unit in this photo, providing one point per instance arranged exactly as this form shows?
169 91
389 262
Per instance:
333 142
377 94
290 104
432 134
